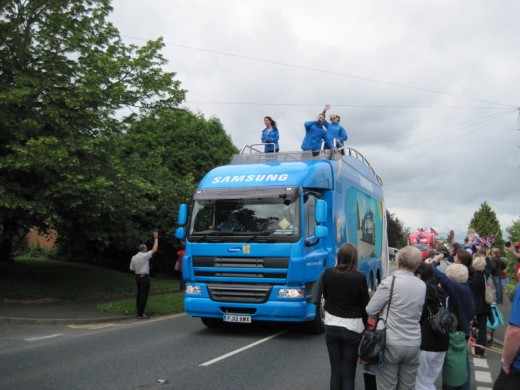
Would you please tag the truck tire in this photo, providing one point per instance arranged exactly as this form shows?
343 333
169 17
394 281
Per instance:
213 323
317 325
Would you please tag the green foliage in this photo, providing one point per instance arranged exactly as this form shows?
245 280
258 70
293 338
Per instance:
485 223
64 74
190 144
36 252
514 231
397 233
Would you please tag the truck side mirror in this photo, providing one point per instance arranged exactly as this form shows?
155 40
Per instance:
180 233
182 218
321 211
321 231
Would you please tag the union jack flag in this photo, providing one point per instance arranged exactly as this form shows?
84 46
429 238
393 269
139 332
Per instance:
486 241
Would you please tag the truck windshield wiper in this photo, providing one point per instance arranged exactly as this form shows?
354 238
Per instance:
260 237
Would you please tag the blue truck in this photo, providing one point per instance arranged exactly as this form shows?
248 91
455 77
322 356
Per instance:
262 229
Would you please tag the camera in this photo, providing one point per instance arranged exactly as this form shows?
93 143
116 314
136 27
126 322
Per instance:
508 244
446 253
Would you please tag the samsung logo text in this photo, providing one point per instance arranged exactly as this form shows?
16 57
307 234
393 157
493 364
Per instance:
249 178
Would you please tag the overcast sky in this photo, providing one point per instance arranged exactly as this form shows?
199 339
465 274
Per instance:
428 91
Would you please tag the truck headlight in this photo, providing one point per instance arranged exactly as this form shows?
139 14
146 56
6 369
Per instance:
290 293
193 290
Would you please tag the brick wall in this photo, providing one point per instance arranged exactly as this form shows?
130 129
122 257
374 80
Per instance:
34 239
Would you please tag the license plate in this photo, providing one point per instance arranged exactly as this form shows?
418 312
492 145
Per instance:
237 318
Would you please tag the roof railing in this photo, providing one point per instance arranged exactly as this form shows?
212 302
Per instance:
254 153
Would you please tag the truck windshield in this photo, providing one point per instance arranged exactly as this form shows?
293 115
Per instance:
274 217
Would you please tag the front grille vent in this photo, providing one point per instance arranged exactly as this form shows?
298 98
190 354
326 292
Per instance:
240 293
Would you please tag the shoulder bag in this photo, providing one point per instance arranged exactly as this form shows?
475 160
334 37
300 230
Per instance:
491 294
440 322
372 346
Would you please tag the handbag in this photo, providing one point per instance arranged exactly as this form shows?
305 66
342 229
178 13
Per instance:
490 294
496 316
440 322
372 346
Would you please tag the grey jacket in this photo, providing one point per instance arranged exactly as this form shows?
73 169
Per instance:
402 326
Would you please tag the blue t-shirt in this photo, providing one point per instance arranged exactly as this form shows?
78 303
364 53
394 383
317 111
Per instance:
514 319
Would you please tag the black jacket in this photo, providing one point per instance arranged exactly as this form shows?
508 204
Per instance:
479 293
346 294
429 340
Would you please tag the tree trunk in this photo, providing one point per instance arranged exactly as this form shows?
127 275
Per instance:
6 250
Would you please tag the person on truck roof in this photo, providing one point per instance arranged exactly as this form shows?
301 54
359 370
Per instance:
270 135
315 133
336 132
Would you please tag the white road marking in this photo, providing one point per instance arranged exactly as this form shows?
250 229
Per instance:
243 348
482 363
51 336
483 376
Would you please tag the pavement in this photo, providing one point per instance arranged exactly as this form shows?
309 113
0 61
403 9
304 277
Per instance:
62 313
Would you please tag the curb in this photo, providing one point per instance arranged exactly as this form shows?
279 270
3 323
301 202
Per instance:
59 321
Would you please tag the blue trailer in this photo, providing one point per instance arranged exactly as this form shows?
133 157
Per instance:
263 228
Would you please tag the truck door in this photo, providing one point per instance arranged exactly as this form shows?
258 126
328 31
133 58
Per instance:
315 249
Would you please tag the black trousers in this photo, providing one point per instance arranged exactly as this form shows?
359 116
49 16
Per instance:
482 333
143 287
509 381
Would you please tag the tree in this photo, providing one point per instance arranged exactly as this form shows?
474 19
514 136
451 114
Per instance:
397 233
485 223
514 236
514 231
190 143
64 74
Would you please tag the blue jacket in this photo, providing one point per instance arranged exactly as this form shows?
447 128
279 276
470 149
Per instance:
337 132
314 134
270 137
460 302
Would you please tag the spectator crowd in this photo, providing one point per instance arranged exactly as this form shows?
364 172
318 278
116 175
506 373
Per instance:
438 312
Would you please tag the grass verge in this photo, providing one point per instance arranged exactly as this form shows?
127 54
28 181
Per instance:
161 304
47 281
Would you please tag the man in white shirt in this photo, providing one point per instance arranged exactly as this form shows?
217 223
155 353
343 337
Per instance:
140 264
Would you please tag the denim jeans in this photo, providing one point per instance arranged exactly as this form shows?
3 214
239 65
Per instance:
342 345
497 283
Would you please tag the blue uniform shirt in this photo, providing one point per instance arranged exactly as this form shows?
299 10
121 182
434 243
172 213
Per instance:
337 132
314 134
514 319
270 137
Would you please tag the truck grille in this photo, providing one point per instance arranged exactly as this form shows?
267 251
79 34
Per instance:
241 267
241 293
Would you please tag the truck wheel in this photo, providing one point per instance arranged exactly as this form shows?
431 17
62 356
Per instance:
371 285
317 326
213 323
